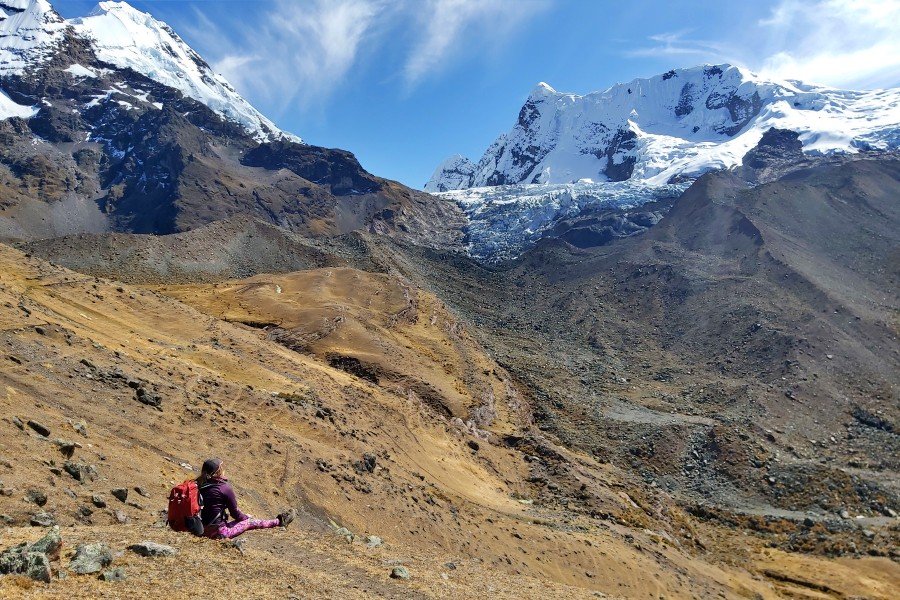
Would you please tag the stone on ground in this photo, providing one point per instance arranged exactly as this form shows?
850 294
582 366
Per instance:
152 549
400 573
91 558
117 574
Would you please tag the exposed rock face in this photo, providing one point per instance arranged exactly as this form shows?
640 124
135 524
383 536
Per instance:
776 145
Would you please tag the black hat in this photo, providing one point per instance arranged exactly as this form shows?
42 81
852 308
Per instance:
211 465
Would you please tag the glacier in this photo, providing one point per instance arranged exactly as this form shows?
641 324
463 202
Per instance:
504 221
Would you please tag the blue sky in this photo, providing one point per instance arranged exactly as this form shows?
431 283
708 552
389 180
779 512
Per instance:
405 83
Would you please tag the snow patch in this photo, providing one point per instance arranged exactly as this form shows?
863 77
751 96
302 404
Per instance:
81 72
10 109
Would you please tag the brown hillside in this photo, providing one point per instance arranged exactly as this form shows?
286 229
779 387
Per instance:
293 430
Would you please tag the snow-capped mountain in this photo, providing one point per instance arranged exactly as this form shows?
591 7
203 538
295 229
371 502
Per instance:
681 123
32 32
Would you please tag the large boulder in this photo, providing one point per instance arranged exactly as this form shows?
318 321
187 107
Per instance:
33 560
91 558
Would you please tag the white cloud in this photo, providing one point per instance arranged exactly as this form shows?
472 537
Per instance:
298 52
449 25
675 43
301 52
842 43
837 42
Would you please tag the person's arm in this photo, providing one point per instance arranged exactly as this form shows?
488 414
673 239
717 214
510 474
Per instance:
231 503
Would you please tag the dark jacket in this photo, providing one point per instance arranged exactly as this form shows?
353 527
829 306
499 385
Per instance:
219 499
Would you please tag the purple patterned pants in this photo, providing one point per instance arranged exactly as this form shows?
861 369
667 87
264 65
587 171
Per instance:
235 528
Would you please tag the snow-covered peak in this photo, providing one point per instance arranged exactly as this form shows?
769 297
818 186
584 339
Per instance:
30 32
129 38
452 174
679 123
542 90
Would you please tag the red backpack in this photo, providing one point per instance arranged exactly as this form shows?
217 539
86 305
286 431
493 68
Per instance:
185 503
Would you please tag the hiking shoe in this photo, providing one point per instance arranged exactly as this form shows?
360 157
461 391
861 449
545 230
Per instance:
286 518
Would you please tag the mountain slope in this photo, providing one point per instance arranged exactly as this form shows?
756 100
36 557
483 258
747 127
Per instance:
681 123
116 125
741 353
454 483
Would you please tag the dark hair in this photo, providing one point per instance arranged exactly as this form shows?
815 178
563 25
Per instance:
210 467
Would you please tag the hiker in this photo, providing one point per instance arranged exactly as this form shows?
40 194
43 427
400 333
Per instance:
218 499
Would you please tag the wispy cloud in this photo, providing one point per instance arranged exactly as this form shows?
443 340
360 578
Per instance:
450 25
676 43
301 51
838 42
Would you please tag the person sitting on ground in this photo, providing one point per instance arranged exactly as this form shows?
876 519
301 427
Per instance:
219 499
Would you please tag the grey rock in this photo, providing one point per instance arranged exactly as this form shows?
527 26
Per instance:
42 520
120 494
80 472
121 517
37 566
373 541
117 574
12 560
152 549
91 558
22 560
98 501
345 533
367 464
237 544
50 544
400 573
18 423
39 428
37 497
150 399
67 447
